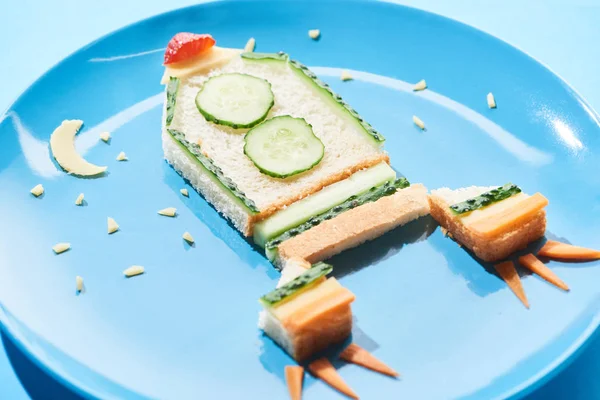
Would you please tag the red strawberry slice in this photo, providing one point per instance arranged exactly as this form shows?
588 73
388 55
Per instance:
186 45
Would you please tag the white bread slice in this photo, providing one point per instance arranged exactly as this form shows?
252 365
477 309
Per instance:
329 319
202 183
291 269
356 226
490 250
347 147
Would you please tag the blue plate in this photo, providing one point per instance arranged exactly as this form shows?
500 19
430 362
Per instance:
188 327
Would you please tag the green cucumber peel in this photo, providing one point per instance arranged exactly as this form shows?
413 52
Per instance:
373 194
208 164
281 56
303 70
287 128
308 278
485 199
172 89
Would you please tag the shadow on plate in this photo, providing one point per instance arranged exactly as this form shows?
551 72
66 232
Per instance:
36 382
476 272
216 223
274 359
371 253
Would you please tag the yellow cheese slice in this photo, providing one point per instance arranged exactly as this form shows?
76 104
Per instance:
306 299
492 209
212 58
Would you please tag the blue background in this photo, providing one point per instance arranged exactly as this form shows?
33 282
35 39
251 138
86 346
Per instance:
35 36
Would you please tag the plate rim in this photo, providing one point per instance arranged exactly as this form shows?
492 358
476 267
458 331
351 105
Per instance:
71 382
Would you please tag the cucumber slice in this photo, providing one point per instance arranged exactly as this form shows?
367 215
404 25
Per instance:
318 203
172 89
321 89
235 100
283 146
372 195
296 286
485 199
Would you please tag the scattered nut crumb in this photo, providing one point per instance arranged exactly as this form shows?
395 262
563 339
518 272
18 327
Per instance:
444 231
188 237
249 48
133 271
346 76
122 157
37 190
79 200
184 192
105 136
61 247
168 212
314 34
79 283
418 122
112 226
421 85
491 100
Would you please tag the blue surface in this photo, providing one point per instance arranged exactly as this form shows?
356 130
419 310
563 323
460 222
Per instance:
164 339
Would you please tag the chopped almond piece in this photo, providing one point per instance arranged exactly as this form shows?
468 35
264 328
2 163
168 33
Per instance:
314 34
184 192
112 225
346 76
491 101
61 247
507 271
357 355
79 200
418 122
294 375
122 157
188 238
532 263
168 212
105 136
421 85
323 370
563 251
37 190
249 48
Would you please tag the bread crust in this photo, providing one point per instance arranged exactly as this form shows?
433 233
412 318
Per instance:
358 225
330 180
492 250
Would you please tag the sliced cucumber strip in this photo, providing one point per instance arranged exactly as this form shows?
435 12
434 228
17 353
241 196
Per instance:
172 89
283 146
318 203
235 100
485 199
265 56
193 151
297 285
372 195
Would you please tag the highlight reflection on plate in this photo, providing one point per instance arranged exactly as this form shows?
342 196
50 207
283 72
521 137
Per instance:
188 326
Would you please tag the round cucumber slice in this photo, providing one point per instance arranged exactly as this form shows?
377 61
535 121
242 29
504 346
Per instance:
235 100
283 146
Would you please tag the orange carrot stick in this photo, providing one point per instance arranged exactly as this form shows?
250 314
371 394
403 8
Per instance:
323 370
508 272
564 251
294 375
532 263
357 355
